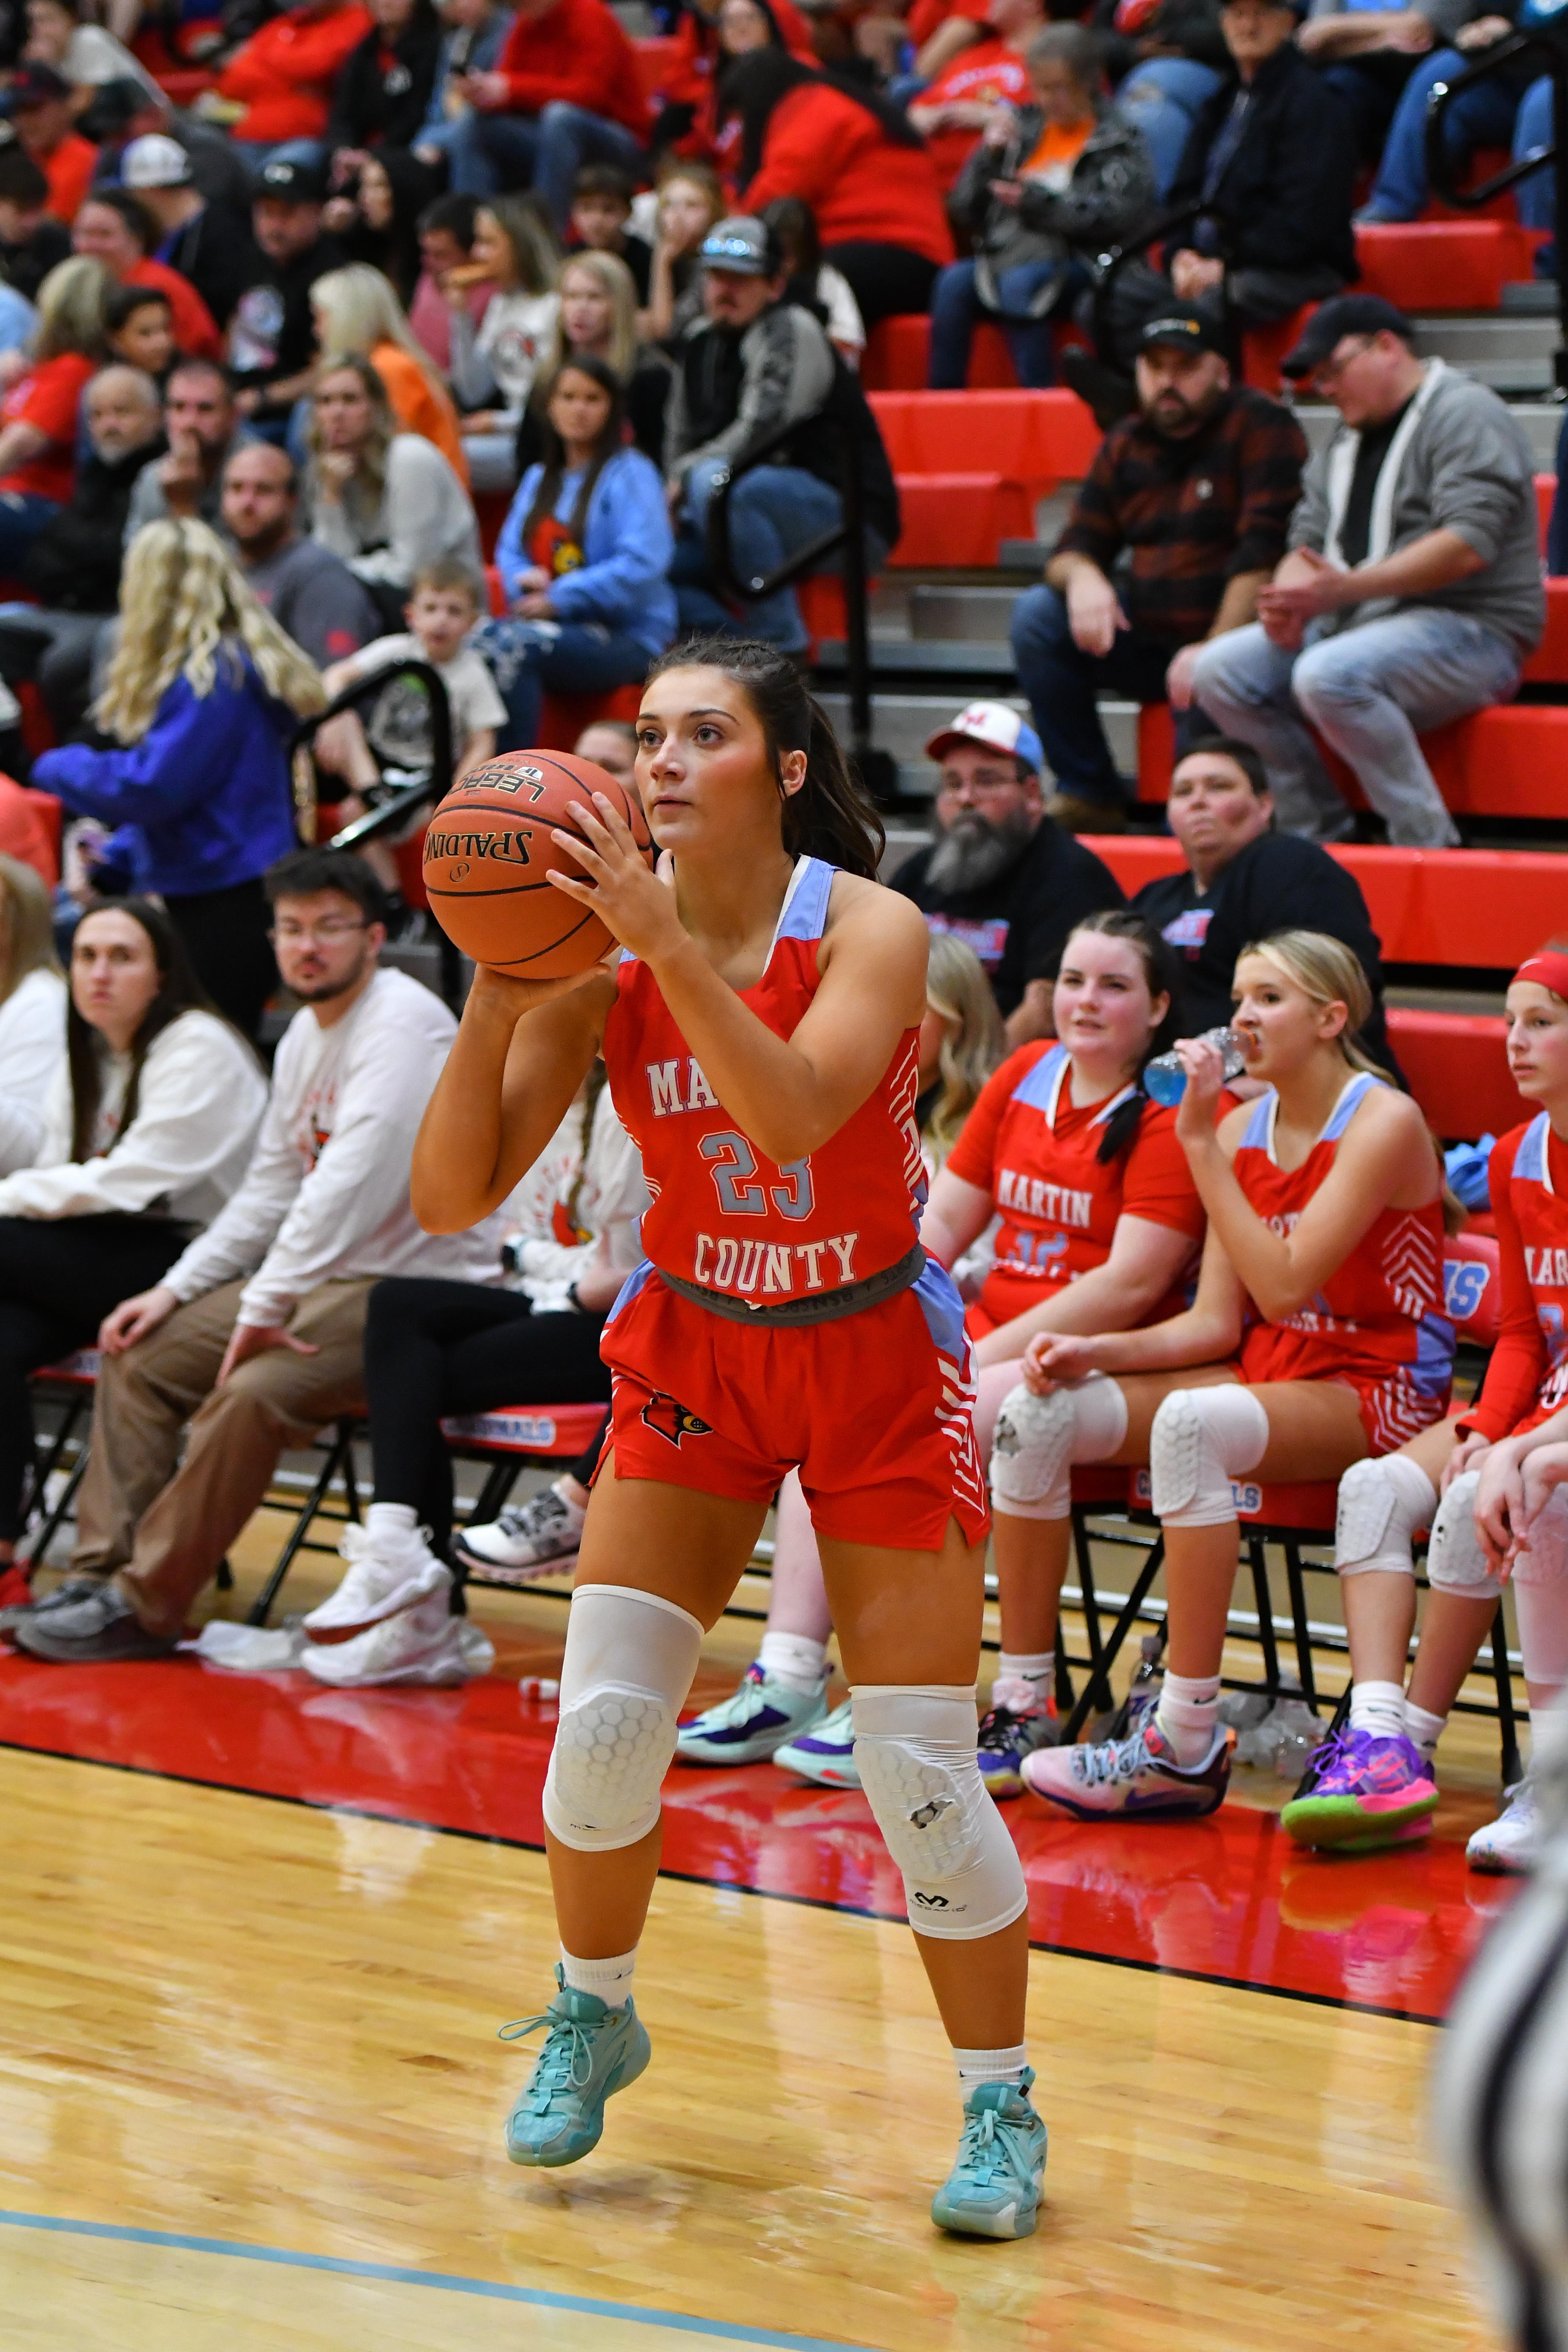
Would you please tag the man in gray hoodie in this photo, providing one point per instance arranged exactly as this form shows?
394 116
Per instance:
1410 594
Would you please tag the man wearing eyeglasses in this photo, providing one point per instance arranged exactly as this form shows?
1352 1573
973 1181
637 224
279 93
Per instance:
255 1336
1000 875
1410 594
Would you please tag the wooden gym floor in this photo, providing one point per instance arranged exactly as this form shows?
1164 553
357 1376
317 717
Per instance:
257 1938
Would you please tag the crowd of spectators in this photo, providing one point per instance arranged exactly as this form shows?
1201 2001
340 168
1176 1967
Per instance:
409 285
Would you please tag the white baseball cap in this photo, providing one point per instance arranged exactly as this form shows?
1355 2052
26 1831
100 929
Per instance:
155 162
993 724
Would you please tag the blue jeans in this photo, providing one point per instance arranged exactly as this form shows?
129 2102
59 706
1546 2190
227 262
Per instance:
1162 100
529 659
956 306
774 512
22 518
1489 114
544 152
1368 690
1061 683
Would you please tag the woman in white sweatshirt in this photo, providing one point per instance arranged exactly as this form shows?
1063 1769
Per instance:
32 1013
147 1130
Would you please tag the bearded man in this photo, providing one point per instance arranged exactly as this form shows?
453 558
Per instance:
1000 875
1177 526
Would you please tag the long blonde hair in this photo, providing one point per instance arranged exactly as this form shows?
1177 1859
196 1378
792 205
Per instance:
957 988
27 926
361 310
1329 973
70 309
181 600
616 281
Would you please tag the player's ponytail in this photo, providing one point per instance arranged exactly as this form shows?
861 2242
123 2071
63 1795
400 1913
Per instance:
832 817
1161 977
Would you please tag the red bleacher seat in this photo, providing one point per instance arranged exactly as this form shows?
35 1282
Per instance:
1026 442
656 58
1263 348
898 350
1548 665
1487 908
1457 1071
564 716
1447 264
1545 493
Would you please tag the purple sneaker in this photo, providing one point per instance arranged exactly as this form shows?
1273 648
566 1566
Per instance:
1367 1793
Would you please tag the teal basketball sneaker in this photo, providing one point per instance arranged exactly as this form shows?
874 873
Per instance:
590 2051
995 2188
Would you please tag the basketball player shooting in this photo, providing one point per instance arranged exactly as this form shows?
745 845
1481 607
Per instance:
760 1035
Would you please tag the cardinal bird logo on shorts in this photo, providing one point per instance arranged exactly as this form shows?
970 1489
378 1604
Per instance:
671 1420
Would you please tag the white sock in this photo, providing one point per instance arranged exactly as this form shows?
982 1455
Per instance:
1424 1730
1378 1708
391 1527
611 1979
991 2066
794 1660
575 1512
1024 1680
1187 1713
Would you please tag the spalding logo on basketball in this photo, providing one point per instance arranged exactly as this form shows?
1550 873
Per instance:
489 850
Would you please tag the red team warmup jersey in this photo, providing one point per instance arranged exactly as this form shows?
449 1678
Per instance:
1527 1379
1028 1146
874 1407
1378 1322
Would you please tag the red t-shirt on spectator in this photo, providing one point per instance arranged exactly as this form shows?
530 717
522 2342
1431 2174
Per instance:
69 171
283 75
833 153
577 53
48 397
927 16
197 333
989 71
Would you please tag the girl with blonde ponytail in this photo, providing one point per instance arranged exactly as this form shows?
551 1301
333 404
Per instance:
203 695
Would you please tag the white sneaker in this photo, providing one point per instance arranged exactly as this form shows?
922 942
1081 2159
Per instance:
539 1537
379 1584
1508 1847
423 1645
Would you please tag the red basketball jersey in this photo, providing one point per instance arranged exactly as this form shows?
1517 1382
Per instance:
1033 1149
1379 1317
1527 1379
725 1216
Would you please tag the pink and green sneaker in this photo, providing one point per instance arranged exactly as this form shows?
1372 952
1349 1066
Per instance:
1368 1792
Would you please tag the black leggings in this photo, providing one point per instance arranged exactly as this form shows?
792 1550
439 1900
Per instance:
432 1349
226 937
59 1279
887 281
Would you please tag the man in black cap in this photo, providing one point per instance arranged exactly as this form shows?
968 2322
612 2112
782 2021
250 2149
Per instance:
272 336
1412 592
1269 169
1180 522
751 363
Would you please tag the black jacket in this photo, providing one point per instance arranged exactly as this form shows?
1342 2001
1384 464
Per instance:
217 252
1278 883
1285 197
1019 923
379 100
73 565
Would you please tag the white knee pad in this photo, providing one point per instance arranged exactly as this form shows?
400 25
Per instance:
1381 1506
1202 1439
630 1658
1455 1559
915 1748
1038 1438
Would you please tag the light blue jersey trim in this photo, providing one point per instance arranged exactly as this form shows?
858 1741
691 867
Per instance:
1041 1082
944 1310
629 1290
803 914
1350 1102
1259 1131
1530 1161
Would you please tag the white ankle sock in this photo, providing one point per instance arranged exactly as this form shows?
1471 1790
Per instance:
611 1979
1024 1680
1187 1713
794 1659
1424 1728
1378 1708
991 2066
393 1526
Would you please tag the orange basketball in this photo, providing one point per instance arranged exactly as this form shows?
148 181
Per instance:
488 852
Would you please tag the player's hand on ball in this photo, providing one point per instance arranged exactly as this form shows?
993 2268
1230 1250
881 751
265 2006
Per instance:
616 883
510 998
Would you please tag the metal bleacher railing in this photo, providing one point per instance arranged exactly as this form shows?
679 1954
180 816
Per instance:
1549 46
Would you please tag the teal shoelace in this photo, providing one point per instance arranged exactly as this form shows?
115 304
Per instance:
568 2046
990 2146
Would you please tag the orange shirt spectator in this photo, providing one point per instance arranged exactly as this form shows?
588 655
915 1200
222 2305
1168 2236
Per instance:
283 75
419 406
39 104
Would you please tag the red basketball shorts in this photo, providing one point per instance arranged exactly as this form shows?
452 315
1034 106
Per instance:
873 1410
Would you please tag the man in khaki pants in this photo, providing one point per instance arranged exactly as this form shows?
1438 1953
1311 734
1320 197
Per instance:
254 1337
